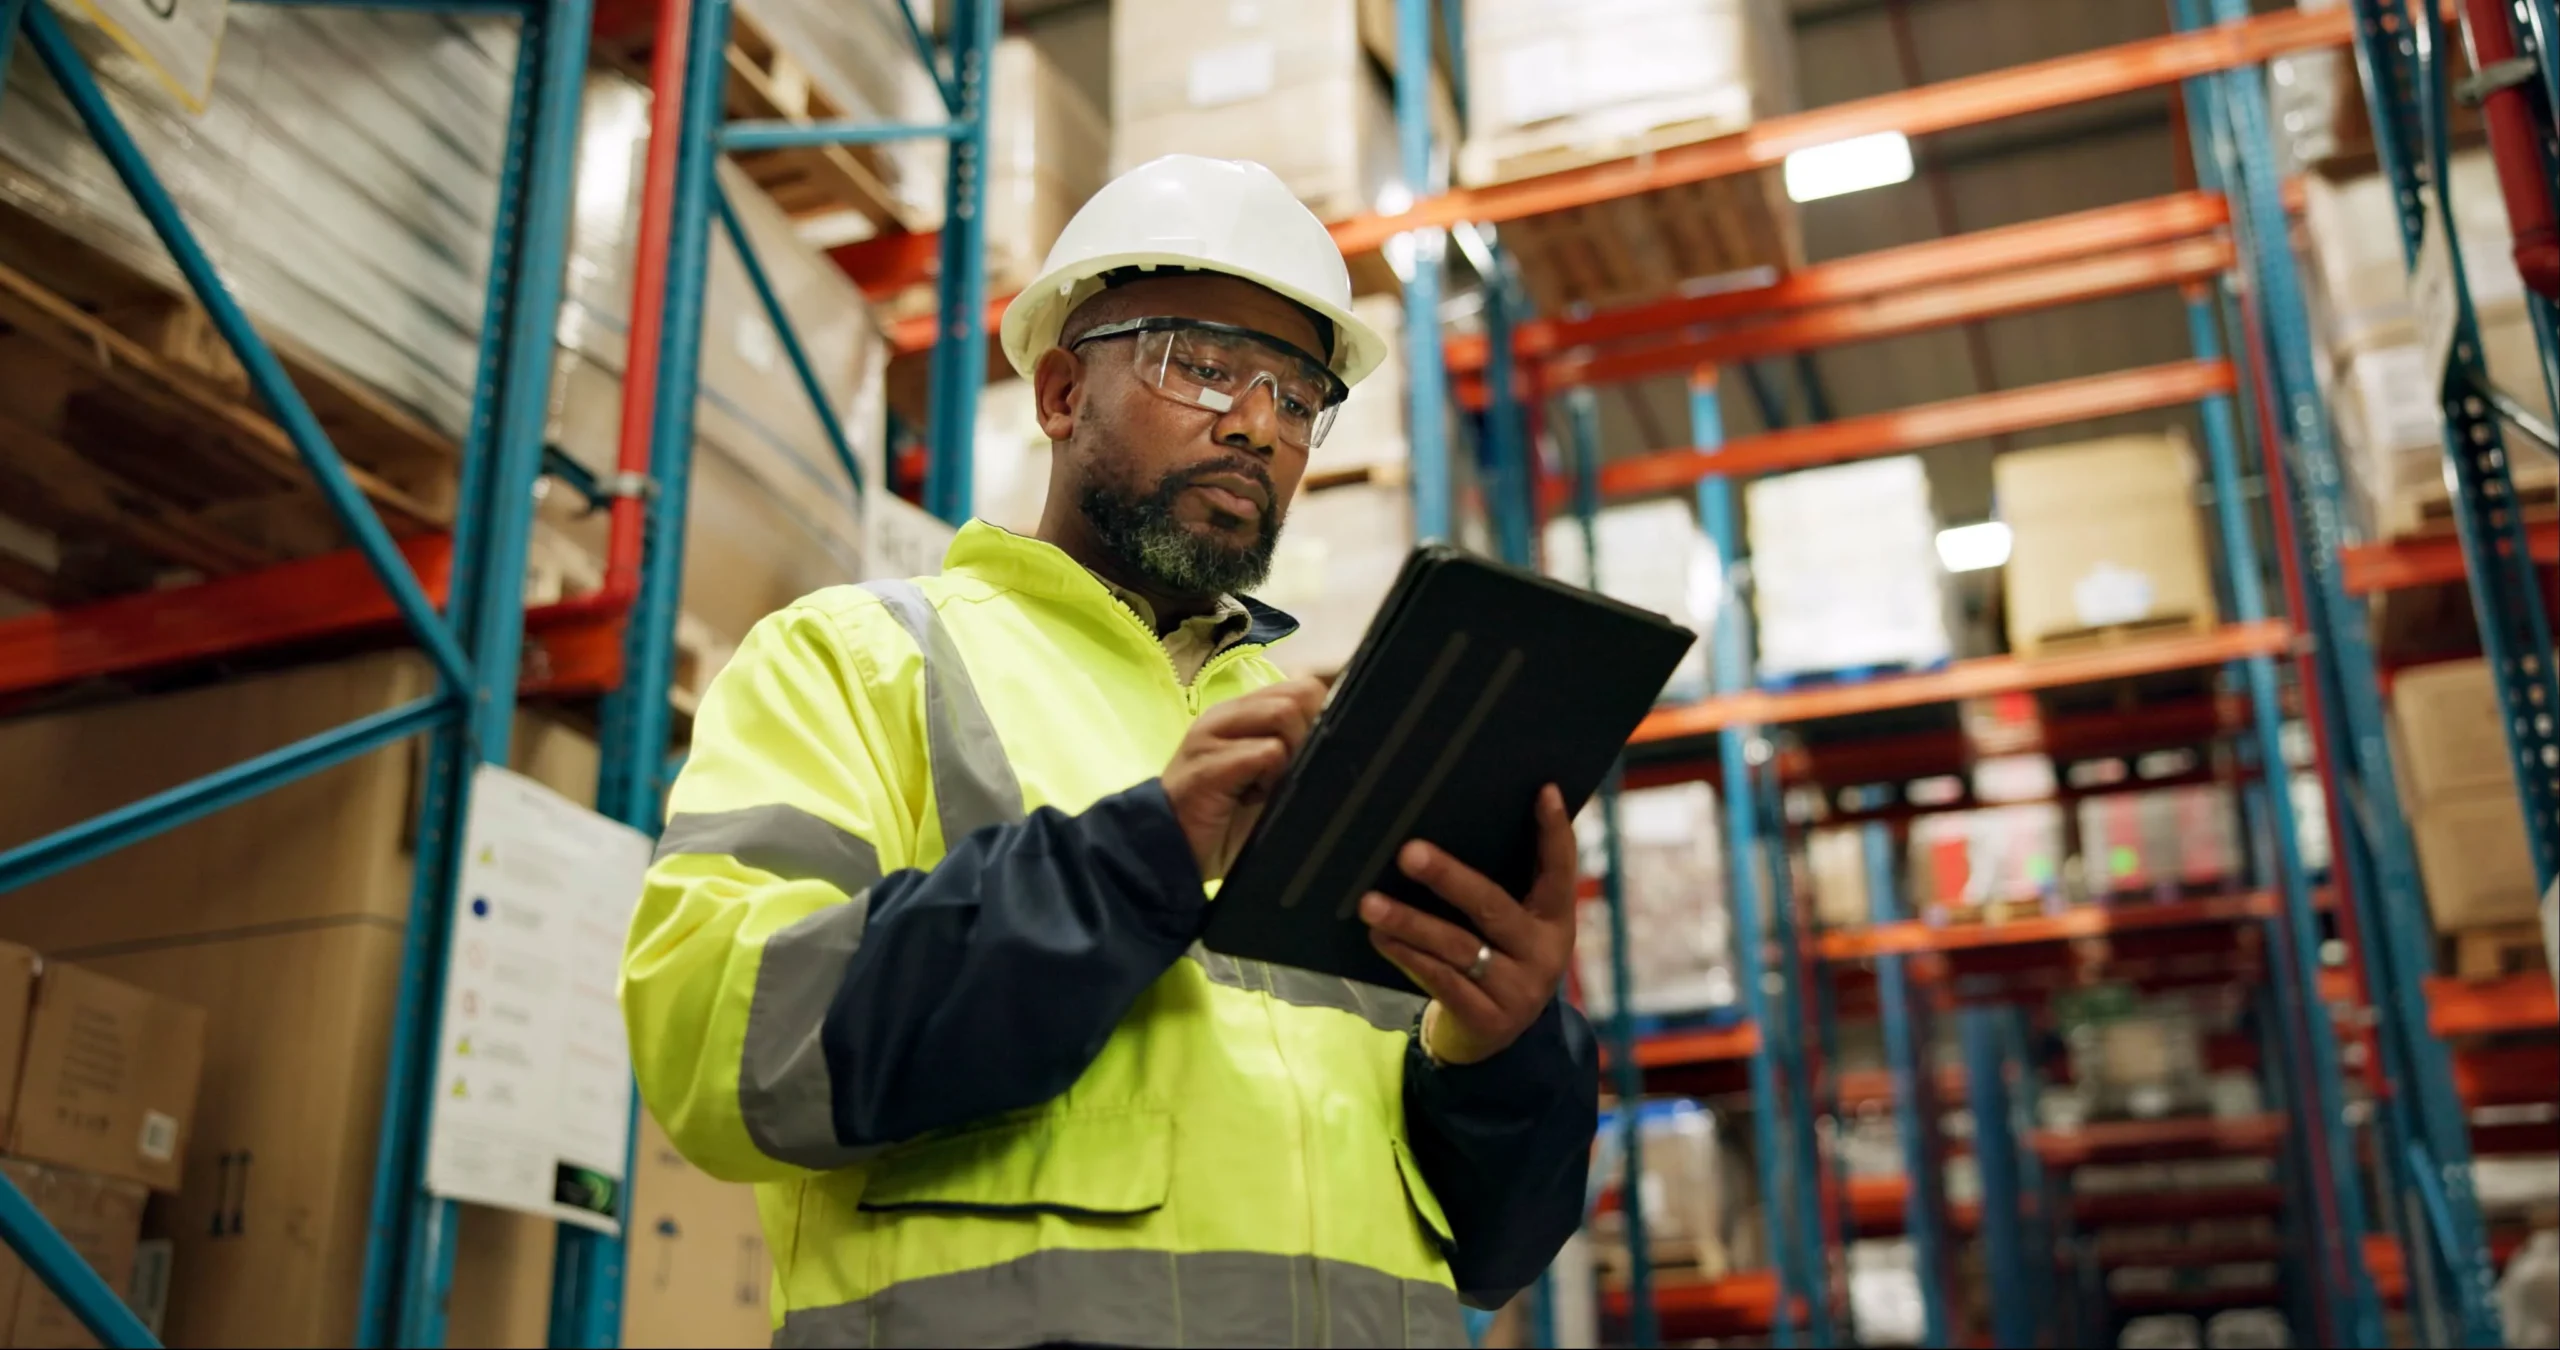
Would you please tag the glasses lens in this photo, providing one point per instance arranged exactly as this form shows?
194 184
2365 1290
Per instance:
1219 371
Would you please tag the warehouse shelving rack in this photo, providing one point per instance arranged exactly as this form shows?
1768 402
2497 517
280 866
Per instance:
450 592
2174 241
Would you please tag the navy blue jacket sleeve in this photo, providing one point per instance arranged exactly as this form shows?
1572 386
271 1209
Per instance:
1506 1146
990 982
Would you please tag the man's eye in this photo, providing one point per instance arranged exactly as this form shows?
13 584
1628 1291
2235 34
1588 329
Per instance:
1205 372
1296 406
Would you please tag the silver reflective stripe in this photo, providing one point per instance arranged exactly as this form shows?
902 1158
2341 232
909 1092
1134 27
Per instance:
784 1092
784 840
1143 1298
973 783
1383 1008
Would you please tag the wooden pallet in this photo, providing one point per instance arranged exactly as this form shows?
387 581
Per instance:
2426 508
1652 245
1391 474
1995 912
766 85
127 432
2070 641
2497 952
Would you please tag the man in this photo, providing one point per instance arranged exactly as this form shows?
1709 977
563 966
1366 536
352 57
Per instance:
919 953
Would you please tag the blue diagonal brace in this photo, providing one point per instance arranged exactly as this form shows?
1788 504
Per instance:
790 334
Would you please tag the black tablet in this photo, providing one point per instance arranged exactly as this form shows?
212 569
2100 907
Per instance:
1476 685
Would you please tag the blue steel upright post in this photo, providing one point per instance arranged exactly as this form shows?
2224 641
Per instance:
2005 1252
1781 1091
2396 939
960 341
1907 1054
2331 1179
1426 376
1626 1076
554 38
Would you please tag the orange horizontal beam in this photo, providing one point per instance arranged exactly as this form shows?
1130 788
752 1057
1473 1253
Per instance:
1677 1049
1744 1304
1974 416
1982 677
2134 1140
273 606
1919 310
2490 1007
2081 234
2085 921
2405 564
2059 83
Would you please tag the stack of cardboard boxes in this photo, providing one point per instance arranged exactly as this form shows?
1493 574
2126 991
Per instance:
1652 555
2105 541
1048 150
97 1096
2458 788
1679 931
1598 79
1287 85
2387 402
283 920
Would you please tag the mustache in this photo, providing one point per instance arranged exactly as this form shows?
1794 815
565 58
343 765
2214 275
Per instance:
1174 482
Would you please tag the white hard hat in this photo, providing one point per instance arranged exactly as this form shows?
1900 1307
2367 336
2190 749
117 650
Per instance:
1212 215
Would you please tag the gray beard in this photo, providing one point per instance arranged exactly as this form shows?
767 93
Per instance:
1146 537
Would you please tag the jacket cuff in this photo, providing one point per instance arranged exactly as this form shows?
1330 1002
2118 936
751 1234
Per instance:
1521 1076
1139 826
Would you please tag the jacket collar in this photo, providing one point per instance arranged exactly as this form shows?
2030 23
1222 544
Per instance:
1018 562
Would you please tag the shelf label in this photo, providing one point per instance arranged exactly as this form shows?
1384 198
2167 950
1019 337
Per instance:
176 40
533 1075
2435 290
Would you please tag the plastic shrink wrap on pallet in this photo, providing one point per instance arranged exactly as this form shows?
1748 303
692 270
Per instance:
1844 569
343 175
1593 79
773 516
1679 932
1652 556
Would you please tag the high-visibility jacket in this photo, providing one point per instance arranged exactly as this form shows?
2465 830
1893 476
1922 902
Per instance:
918 955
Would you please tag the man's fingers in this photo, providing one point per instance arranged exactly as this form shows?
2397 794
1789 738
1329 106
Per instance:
1230 768
1498 916
1278 711
1459 996
1559 860
1420 931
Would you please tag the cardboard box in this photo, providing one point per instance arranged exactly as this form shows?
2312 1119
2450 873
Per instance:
2474 859
1048 150
698 1273
100 1217
17 1000
1285 85
269 1222
2103 535
2445 732
109 1079
1336 561
1588 79
1844 569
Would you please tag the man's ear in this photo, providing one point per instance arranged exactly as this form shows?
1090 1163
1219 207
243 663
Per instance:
1057 391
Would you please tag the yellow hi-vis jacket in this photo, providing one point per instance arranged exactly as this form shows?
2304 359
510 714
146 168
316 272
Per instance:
918 956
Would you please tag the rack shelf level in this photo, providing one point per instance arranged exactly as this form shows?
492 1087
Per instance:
1979 678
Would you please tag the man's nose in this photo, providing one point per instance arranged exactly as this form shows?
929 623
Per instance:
1253 423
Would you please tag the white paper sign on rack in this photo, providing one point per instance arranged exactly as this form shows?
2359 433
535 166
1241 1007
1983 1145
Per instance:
176 39
533 1074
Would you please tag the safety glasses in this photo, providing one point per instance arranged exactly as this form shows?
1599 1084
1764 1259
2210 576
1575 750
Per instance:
1217 366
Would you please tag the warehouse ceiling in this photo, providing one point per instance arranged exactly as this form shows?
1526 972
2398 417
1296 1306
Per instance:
2072 159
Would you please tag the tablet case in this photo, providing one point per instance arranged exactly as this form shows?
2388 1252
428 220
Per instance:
1476 685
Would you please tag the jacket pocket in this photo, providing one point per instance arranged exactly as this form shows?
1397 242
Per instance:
1114 1164
1426 1206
